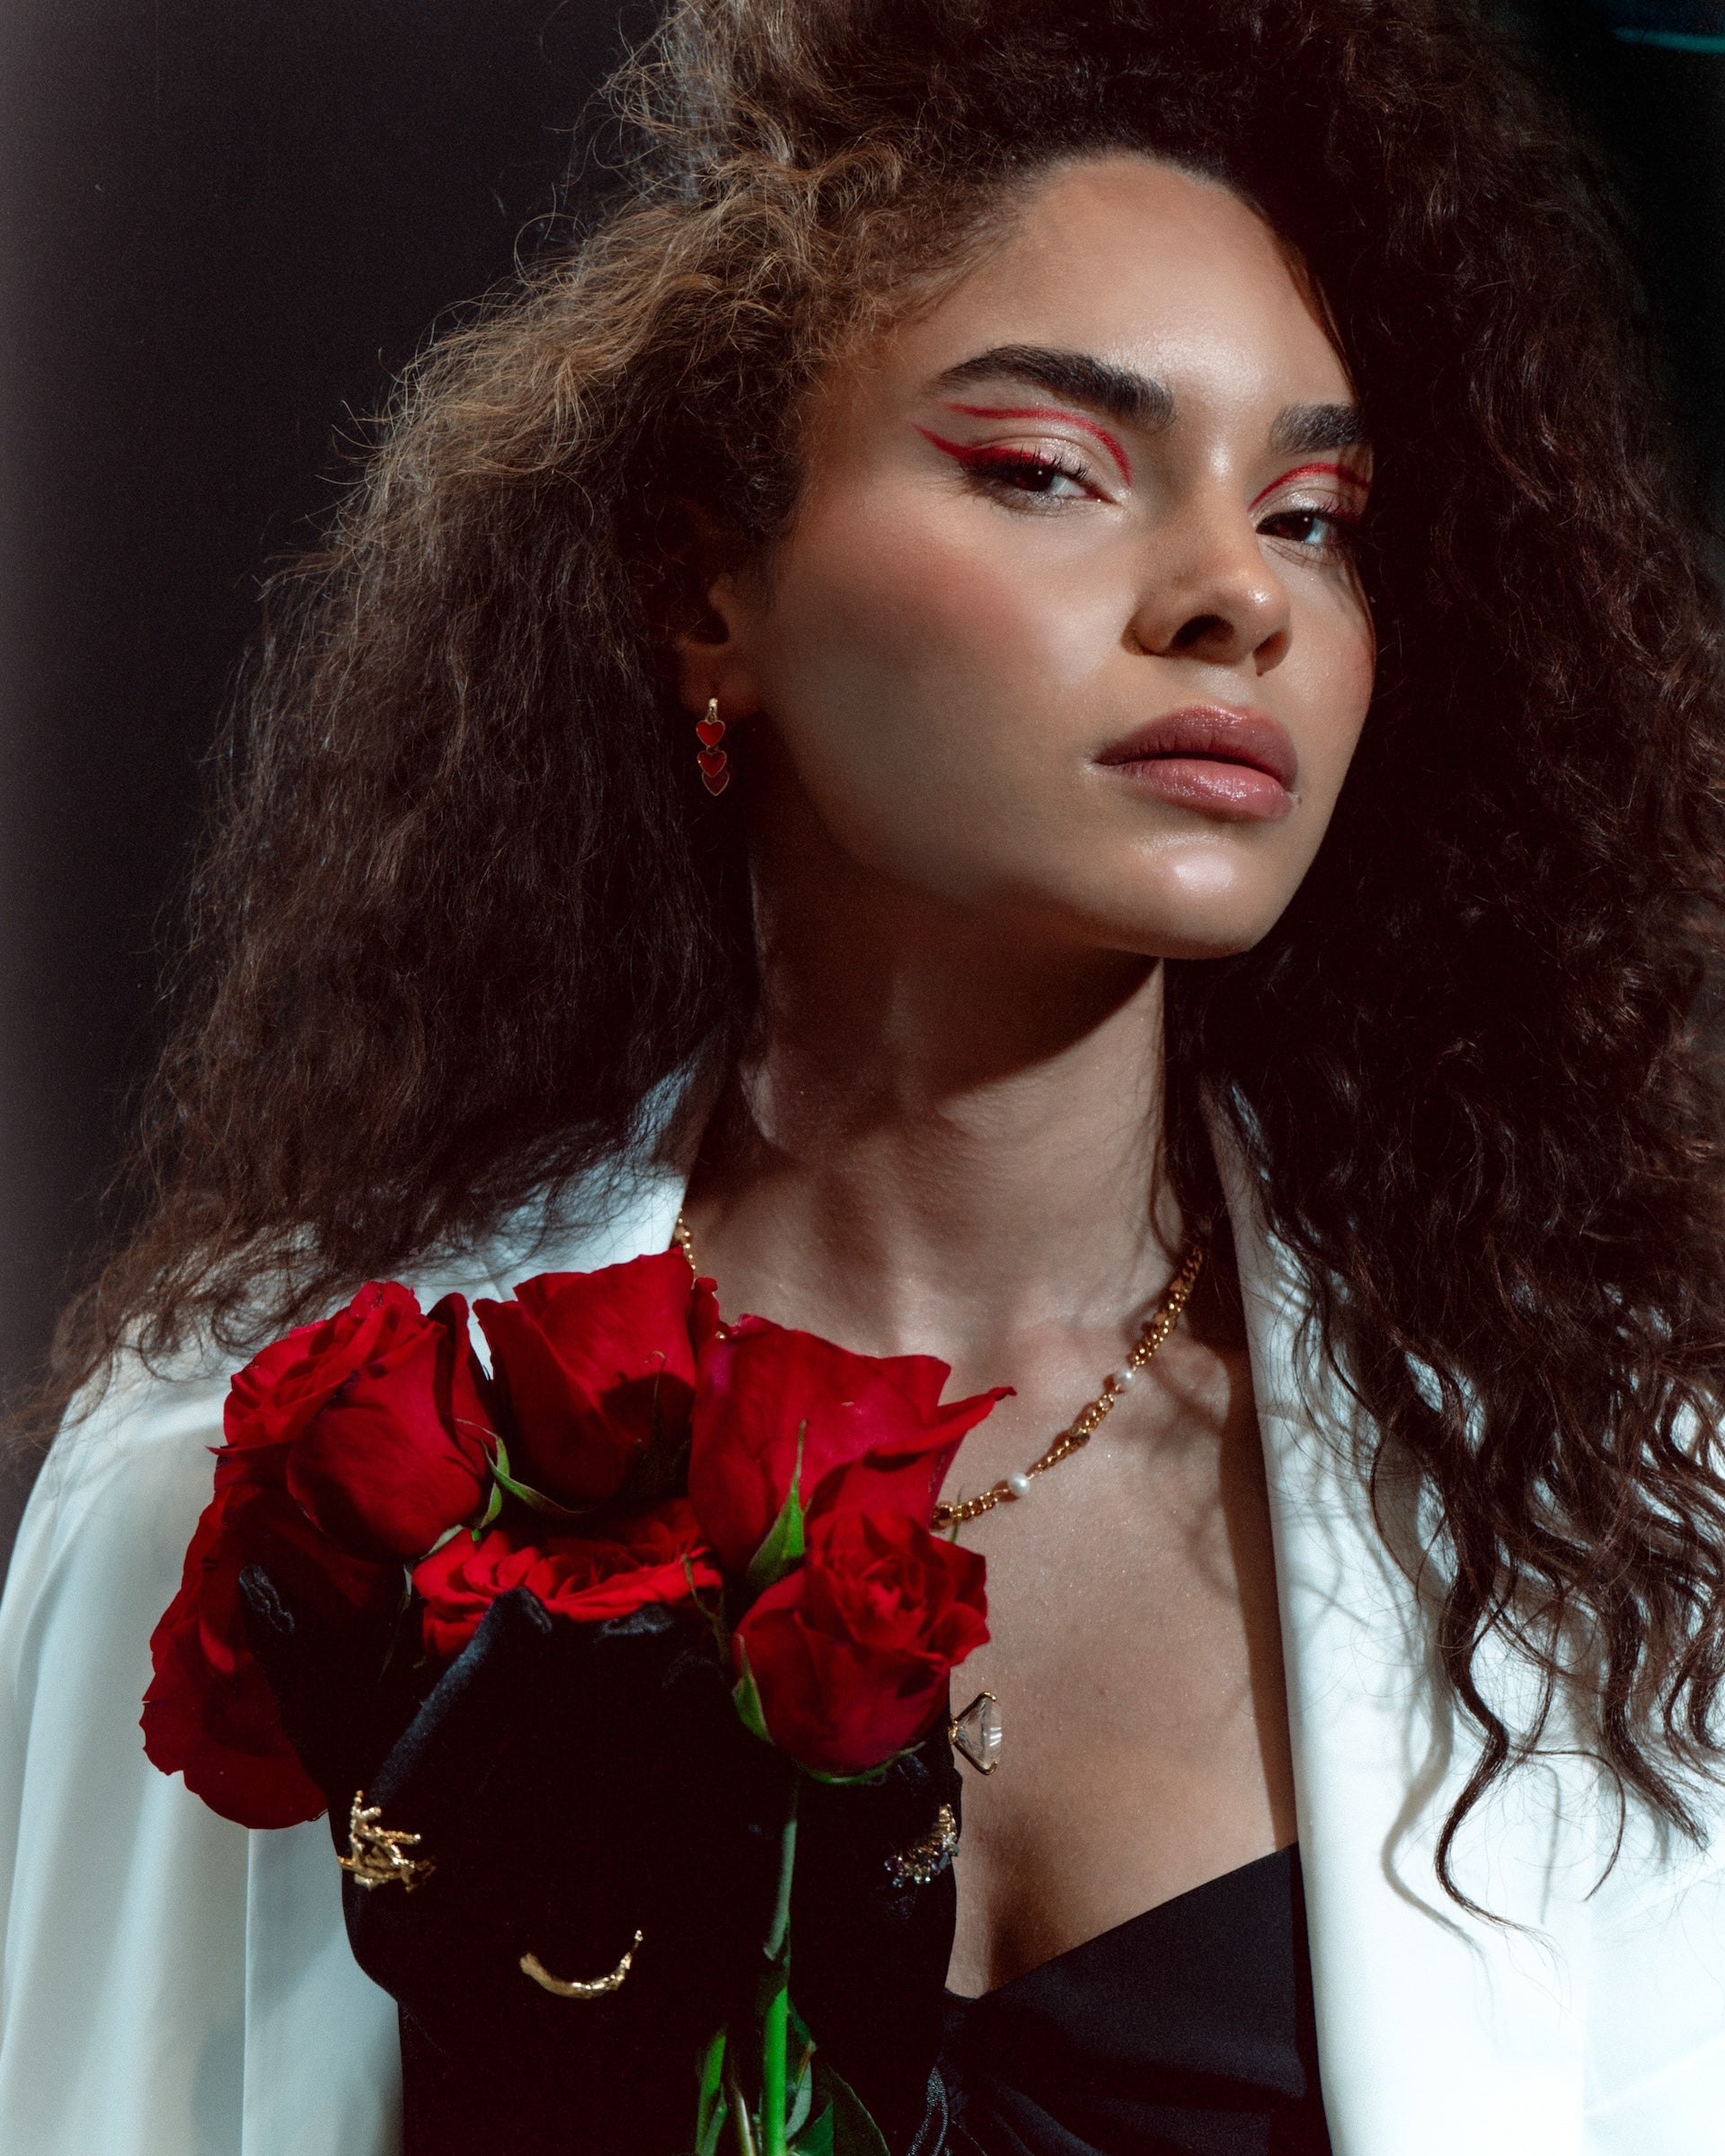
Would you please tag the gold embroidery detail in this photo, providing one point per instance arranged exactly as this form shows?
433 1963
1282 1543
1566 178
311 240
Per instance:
377 1855
531 1966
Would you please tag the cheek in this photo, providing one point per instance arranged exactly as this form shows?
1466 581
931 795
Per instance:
899 597
1357 668
1337 659
914 674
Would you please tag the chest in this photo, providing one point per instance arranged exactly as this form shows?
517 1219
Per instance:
1136 1658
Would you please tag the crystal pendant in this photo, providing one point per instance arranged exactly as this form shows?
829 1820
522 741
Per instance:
976 1733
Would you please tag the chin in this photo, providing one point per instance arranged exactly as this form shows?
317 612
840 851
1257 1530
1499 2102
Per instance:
1192 918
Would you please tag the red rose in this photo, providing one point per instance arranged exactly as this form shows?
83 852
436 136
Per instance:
875 1436
596 1365
279 1390
375 1419
655 1556
209 1712
404 1449
850 1653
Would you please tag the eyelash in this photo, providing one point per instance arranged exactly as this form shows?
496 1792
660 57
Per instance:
1001 470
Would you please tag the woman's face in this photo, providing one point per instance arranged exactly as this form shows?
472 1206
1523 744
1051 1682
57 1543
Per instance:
1067 633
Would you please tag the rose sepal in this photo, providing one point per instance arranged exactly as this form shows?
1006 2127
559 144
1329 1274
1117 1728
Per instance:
783 1544
746 1692
661 1465
867 1779
493 1506
536 1501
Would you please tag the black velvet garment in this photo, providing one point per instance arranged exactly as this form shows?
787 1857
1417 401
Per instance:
1187 2029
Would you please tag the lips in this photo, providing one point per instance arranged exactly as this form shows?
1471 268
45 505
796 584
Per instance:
1212 733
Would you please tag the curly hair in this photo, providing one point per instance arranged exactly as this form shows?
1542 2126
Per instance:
466 907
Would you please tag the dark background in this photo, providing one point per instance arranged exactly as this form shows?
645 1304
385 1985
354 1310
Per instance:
223 226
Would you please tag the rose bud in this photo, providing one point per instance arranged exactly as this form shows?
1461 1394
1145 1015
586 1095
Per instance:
654 1556
849 1654
871 1431
600 1370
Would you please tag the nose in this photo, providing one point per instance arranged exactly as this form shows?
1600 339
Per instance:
1209 593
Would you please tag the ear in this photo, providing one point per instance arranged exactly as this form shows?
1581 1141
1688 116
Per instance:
717 615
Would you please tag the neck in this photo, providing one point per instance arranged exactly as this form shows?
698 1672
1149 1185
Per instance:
949 1135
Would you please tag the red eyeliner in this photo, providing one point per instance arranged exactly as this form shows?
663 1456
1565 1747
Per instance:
1049 411
980 455
1305 472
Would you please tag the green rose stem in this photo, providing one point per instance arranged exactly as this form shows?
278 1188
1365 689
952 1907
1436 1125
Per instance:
776 2020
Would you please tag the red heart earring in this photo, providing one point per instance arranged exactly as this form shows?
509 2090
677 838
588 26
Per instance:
715 766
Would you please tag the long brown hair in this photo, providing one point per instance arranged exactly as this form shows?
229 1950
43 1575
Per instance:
466 907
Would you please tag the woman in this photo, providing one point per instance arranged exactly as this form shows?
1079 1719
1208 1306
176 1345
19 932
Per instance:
1109 838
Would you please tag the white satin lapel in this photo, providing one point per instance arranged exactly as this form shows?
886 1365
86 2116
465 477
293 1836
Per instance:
1437 2033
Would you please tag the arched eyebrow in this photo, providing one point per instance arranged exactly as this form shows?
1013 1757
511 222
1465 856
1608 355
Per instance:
1075 376
1300 429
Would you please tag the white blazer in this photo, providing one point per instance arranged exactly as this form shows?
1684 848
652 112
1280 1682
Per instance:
174 1985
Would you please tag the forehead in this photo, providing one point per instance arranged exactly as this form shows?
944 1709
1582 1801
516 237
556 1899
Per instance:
1151 267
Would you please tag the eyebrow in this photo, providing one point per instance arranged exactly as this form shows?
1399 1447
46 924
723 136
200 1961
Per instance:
1115 390
1300 429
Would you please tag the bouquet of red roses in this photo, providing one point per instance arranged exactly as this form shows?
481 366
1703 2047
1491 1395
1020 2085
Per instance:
753 1502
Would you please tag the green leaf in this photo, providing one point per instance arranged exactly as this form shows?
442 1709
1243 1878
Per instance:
816 2139
854 2132
782 1550
748 1703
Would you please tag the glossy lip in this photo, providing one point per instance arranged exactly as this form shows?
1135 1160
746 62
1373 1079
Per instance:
1234 762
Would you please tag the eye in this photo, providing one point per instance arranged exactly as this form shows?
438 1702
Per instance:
1328 533
1024 476
1028 472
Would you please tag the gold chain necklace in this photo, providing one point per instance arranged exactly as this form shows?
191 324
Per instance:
1089 1419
